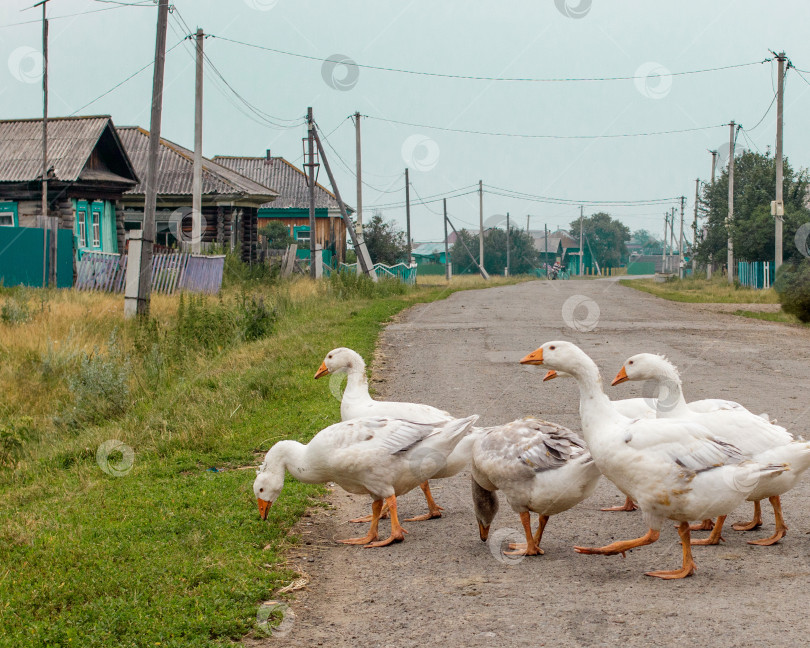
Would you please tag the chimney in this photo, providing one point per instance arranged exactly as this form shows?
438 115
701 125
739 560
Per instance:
268 158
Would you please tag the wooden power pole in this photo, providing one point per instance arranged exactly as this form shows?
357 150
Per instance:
196 183
507 244
664 246
48 249
481 223
695 228
581 251
730 218
408 215
680 242
446 245
311 153
358 152
139 288
779 205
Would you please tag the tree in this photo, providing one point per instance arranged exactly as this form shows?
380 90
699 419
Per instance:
523 257
647 241
607 238
384 240
278 236
752 230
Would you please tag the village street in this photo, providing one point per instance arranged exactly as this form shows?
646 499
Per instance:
443 587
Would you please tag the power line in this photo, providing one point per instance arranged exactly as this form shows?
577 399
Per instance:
117 5
470 77
543 136
520 195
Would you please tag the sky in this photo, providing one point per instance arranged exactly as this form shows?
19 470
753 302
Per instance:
99 44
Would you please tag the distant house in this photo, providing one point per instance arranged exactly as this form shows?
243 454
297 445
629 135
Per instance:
429 253
230 201
562 247
88 173
292 205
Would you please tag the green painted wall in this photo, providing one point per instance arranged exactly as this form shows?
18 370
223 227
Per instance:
21 250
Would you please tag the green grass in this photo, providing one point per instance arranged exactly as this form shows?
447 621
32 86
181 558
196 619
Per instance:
780 316
173 553
702 291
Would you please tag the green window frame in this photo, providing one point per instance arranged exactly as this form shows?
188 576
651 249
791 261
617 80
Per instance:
8 214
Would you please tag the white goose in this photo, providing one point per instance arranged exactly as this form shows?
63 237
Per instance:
356 402
756 438
377 456
541 467
673 468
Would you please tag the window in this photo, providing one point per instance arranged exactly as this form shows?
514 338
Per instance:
96 229
8 214
302 236
82 227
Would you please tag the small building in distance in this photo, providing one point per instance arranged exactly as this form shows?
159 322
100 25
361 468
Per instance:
230 201
88 173
291 207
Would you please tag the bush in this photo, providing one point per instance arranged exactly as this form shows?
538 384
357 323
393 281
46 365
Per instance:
99 387
793 286
15 309
13 436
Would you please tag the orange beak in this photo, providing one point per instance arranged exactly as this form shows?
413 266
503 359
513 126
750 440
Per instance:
534 358
620 378
264 506
322 371
551 375
483 531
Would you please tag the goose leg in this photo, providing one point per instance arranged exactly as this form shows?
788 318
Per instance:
753 524
538 535
371 536
397 532
368 518
530 548
714 537
689 565
629 505
622 545
706 525
434 510
781 527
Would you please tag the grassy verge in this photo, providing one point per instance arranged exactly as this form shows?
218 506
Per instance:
781 317
715 291
127 451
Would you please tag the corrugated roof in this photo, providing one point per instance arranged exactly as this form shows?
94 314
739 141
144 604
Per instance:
71 140
288 180
428 249
176 167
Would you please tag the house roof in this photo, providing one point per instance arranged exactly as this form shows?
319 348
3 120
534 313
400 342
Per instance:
287 179
560 237
176 170
428 249
71 142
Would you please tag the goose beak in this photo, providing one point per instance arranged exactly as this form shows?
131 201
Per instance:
551 375
322 371
534 358
483 531
620 378
264 506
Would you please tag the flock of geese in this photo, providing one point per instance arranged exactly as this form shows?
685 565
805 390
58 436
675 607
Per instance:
687 462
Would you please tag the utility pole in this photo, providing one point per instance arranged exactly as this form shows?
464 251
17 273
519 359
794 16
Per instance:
359 173
507 244
48 249
528 216
680 242
446 245
695 227
196 183
311 170
481 222
714 164
408 214
545 229
664 245
730 217
141 285
581 251
710 265
779 206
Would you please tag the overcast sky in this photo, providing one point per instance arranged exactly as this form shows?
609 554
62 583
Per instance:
91 52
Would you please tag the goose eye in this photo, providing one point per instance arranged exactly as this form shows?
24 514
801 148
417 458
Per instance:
631 362
261 490
551 348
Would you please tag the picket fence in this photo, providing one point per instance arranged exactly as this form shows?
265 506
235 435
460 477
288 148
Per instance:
401 271
171 272
755 274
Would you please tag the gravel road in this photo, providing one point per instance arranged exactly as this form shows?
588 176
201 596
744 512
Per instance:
444 587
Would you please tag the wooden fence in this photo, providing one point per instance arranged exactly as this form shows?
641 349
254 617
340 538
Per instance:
171 272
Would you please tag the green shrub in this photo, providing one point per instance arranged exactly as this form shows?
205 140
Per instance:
348 285
793 286
15 309
256 321
13 435
99 387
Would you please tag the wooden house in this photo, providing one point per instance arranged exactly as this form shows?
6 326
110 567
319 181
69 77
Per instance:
291 207
230 200
88 173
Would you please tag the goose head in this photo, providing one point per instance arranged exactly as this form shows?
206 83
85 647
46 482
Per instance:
269 479
341 360
559 356
645 366
485 504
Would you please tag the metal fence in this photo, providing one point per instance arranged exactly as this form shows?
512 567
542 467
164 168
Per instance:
755 274
171 272
401 271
